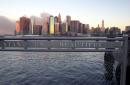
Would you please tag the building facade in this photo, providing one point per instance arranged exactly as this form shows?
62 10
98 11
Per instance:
17 29
57 32
64 28
51 25
74 26
24 25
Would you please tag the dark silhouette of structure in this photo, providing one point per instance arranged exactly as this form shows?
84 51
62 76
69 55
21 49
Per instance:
109 60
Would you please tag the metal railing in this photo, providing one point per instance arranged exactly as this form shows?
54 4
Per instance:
70 44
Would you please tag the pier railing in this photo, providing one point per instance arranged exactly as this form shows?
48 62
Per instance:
70 44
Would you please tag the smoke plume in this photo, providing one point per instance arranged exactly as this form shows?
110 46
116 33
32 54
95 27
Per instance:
6 26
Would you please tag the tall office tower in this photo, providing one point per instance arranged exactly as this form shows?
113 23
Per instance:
74 26
45 24
84 30
17 29
56 19
87 28
57 29
31 30
45 27
64 28
68 20
59 18
24 25
59 21
38 25
51 25
56 26
102 28
80 29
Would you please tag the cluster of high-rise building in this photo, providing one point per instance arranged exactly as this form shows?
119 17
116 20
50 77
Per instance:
53 25
50 25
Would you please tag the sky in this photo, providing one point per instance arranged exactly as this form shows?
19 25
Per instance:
113 12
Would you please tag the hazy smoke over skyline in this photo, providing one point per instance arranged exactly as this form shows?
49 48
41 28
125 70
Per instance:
7 26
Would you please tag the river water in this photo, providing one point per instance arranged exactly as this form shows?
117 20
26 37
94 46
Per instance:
35 68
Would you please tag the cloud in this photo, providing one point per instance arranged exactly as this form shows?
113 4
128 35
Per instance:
7 26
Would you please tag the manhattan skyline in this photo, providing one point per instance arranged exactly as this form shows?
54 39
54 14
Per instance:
114 12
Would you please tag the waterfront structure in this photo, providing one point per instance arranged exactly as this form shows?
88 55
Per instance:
115 30
51 25
127 28
68 44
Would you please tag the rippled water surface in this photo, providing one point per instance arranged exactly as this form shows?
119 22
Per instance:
22 68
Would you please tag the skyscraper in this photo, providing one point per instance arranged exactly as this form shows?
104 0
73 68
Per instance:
59 18
17 27
56 19
68 19
51 25
74 26
31 30
64 28
45 23
102 28
80 29
59 21
24 25
57 28
85 28
45 27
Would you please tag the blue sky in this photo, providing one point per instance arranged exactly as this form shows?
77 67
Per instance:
114 12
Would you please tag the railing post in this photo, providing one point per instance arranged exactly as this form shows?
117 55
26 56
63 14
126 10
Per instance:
96 44
49 44
73 44
124 63
2 44
25 45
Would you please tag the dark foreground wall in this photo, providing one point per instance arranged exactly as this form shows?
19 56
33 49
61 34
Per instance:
118 69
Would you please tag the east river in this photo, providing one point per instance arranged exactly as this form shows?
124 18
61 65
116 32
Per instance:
37 68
